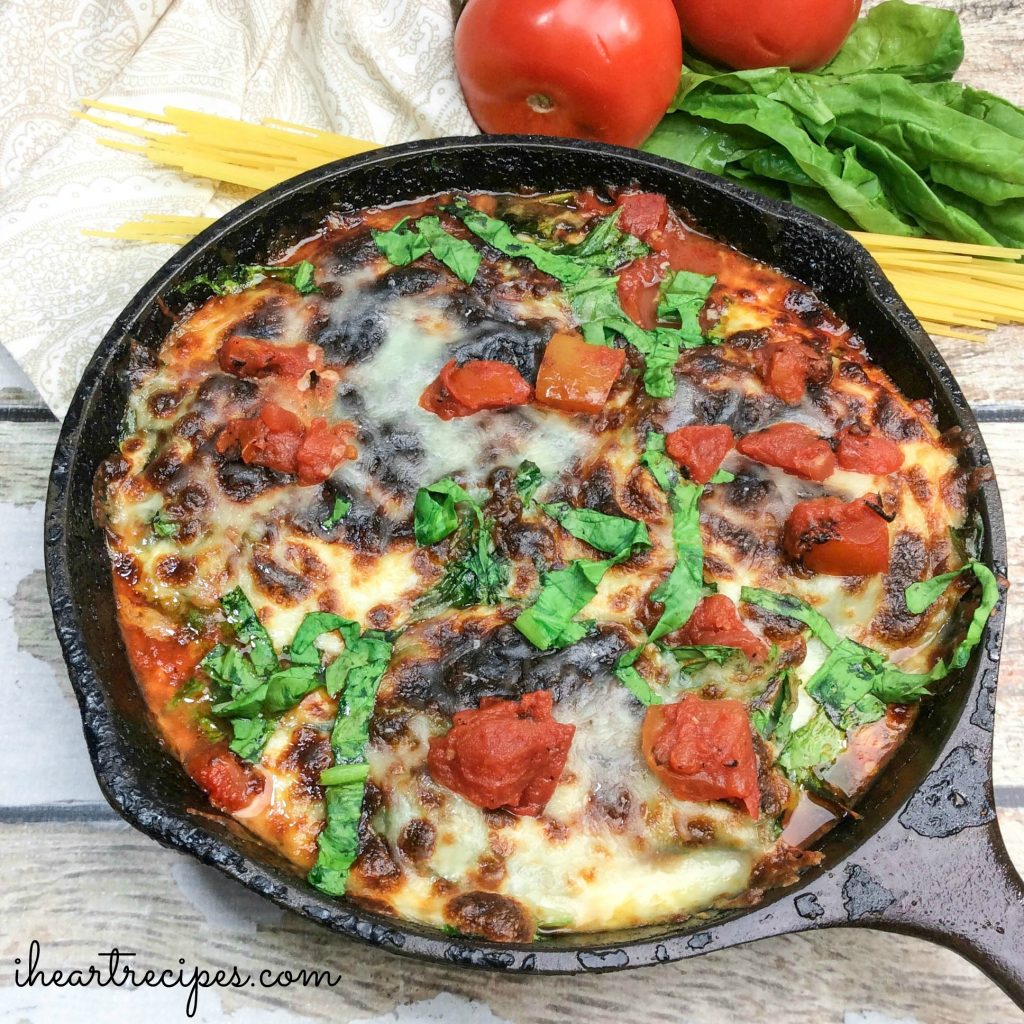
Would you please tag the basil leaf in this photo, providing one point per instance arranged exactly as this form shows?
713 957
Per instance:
338 842
684 586
698 655
162 526
792 608
458 255
844 685
473 575
344 774
662 467
228 280
250 632
434 511
610 534
400 244
683 294
815 745
773 722
607 246
340 509
301 650
723 476
286 688
528 479
548 622
628 675
250 737
499 235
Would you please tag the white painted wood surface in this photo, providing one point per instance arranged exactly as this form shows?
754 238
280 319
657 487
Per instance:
80 881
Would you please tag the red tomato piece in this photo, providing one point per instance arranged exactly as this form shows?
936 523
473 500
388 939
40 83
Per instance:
865 452
801 34
253 357
703 750
700 449
638 288
506 753
792 447
592 69
230 783
716 621
787 367
641 213
485 384
436 399
322 449
577 376
837 538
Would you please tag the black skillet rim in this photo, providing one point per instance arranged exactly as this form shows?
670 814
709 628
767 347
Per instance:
588 953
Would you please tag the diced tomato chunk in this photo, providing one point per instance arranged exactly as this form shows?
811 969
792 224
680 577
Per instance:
506 753
638 288
792 447
485 384
436 399
703 750
787 367
254 357
700 449
324 447
229 782
642 213
838 538
278 440
577 376
716 621
862 451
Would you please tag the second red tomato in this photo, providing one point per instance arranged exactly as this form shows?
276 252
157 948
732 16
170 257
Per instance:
591 69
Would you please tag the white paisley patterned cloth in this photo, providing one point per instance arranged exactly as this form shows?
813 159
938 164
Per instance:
372 69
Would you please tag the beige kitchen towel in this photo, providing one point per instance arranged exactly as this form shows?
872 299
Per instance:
373 69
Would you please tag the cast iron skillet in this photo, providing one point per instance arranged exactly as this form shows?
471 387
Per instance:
926 858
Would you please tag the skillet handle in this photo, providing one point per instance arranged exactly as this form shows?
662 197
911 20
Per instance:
969 898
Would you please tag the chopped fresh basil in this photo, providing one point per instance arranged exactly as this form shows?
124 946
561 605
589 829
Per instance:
696 656
162 526
249 737
610 534
355 675
241 616
340 509
499 235
628 675
401 246
685 584
844 683
606 246
528 479
773 720
549 621
815 745
683 295
663 469
301 276
792 608
435 515
723 476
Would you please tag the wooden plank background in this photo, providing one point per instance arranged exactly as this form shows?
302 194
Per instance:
78 880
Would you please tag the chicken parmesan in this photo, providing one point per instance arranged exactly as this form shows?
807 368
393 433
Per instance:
519 564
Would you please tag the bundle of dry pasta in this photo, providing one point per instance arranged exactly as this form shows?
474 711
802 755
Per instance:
948 285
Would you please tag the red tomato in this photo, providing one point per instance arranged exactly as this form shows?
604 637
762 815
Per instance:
252 357
507 753
801 34
787 367
703 750
715 621
638 288
485 384
230 784
836 538
436 399
792 447
577 376
700 449
322 449
589 69
642 212
865 452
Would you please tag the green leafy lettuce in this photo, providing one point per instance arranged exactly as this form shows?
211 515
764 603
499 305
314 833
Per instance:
879 139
